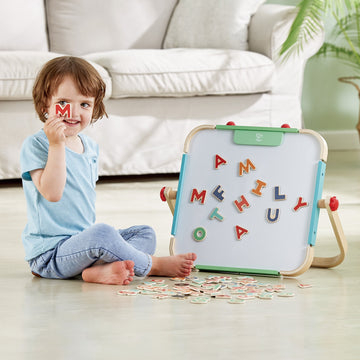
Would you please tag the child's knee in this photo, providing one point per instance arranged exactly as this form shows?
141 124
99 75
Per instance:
102 231
149 233
100 240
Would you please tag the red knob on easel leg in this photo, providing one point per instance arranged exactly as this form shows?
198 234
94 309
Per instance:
230 123
334 203
162 194
285 126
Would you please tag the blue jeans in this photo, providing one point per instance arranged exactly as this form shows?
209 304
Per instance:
100 243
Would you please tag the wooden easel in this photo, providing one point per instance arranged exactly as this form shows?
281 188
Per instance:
331 204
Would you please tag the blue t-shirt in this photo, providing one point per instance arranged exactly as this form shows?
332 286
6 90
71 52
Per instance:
50 222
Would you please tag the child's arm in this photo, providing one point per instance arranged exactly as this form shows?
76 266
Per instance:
51 180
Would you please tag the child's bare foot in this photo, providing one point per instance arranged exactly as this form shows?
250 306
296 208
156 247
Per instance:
178 265
116 273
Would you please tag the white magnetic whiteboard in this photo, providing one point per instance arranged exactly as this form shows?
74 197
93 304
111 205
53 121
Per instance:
264 219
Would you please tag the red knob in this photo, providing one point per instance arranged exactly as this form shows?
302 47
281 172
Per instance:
230 123
162 194
286 126
334 203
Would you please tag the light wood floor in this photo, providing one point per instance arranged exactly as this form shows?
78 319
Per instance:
49 319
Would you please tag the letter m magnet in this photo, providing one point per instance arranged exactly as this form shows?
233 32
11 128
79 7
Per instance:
62 110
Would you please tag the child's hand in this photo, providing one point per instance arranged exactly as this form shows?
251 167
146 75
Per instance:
54 129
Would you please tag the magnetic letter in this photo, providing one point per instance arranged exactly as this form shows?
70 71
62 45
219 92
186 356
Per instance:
300 204
196 196
240 232
219 161
199 234
242 203
63 110
257 190
216 215
246 167
270 216
218 193
277 194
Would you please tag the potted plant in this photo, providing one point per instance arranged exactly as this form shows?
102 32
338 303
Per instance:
308 22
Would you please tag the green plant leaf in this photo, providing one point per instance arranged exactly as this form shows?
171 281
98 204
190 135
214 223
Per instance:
309 20
347 56
307 23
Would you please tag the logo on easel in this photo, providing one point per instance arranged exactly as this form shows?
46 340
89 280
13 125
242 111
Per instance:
259 137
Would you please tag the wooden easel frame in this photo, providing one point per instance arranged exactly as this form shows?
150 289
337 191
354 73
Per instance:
331 204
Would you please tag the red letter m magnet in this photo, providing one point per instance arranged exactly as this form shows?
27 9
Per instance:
63 110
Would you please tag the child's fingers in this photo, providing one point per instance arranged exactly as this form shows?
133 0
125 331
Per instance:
53 123
54 119
58 126
55 129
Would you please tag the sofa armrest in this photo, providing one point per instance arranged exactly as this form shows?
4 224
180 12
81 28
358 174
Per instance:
269 28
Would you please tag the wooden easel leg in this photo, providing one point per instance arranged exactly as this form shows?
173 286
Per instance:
172 246
331 205
169 195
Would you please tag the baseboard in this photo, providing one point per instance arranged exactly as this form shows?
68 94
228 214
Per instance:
341 139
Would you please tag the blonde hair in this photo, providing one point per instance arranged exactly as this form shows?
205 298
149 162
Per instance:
85 76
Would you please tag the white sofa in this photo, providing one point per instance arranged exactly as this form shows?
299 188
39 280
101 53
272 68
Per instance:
169 66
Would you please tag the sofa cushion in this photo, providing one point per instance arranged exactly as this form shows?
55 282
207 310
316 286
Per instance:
23 25
211 24
79 27
18 70
185 72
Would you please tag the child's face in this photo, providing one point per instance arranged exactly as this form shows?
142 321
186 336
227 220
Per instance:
81 106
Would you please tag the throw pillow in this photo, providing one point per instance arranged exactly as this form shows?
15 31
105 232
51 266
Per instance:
220 24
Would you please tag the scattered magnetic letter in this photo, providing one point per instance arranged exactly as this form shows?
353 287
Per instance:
270 216
219 161
218 193
246 167
277 194
242 203
300 204
199 234
215 214
240 232
196 196
257 190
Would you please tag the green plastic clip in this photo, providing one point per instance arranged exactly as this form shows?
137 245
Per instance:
258 136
